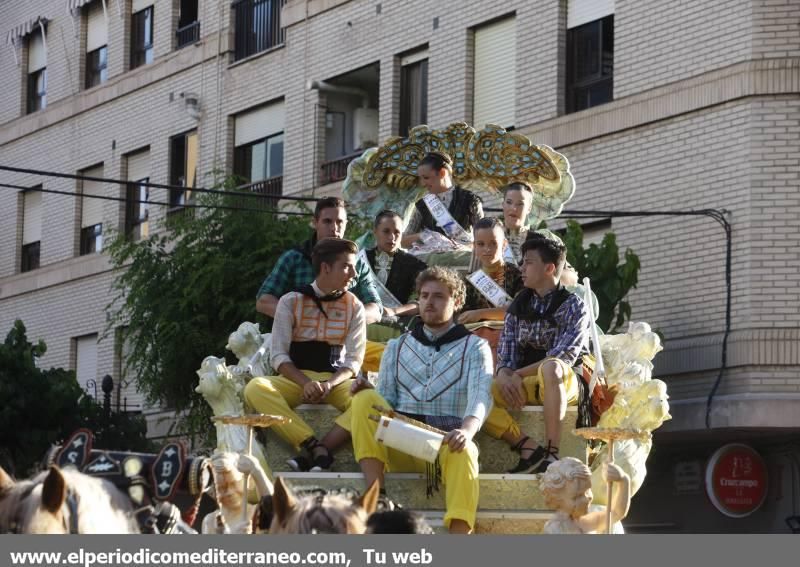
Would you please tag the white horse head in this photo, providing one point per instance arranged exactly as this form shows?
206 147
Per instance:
64 501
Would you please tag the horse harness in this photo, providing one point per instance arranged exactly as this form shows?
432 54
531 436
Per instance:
70 519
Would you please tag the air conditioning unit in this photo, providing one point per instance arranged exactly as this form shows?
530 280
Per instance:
365 128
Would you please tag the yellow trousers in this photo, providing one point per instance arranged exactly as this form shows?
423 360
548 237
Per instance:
499 421
372 356
459 469
277 395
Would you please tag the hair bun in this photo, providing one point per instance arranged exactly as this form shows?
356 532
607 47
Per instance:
443 156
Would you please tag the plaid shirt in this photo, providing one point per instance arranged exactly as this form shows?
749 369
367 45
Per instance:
566 340
453 382
293 270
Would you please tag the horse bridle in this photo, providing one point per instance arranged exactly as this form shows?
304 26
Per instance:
70 526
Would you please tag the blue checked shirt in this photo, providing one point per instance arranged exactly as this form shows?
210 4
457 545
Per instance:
565 341
293 270
452 383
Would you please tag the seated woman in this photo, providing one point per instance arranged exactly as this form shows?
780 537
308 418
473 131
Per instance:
447 209
395 270
517 202
487 298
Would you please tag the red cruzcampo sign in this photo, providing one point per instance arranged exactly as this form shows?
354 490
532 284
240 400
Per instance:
736 480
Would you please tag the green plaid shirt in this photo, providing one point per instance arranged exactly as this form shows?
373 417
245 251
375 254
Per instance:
293 270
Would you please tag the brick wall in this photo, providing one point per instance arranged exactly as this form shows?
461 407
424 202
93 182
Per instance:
659 42
740 152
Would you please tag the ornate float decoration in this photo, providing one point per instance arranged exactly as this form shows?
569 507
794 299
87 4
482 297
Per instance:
483 161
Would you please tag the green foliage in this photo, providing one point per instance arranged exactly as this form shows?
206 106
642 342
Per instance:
181 292
41 407
611 281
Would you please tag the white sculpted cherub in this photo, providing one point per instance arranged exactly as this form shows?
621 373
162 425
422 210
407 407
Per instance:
229 487
567 488
251 348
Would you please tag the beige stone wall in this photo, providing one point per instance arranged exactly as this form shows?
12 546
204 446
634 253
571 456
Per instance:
706 114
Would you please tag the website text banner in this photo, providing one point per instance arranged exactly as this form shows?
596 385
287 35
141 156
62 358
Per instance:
393 551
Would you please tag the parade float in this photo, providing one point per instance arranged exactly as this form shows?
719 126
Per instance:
625 398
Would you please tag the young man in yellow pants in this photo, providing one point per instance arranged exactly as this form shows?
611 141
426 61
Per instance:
317 347
438 373
545 330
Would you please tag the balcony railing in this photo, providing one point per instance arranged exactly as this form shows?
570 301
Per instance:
271 189
336 170
188 34
257 25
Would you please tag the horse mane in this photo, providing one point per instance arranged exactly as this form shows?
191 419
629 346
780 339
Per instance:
320 511
100 506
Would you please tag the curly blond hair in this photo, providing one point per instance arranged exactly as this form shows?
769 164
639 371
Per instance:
449 278
558 474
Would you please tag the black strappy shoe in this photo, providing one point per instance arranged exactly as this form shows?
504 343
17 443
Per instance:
531 462
551 456
317 463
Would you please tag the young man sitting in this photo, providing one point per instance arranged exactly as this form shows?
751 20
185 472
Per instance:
293 269
545 330
317 347
440 374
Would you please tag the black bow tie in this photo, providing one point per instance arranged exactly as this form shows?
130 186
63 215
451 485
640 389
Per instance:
308 290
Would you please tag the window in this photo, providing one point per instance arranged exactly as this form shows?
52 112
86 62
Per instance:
590 64
86 363
182 167
91 235
31 229
96 67
137 215
142 36
257 26
37 73
188 31
495 70
413 91
96 47
260 160
258 152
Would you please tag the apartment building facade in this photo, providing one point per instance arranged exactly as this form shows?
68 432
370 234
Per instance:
657 105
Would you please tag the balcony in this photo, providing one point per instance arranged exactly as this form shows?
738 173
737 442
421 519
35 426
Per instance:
188 34
351 118
257 26
271 189
336 169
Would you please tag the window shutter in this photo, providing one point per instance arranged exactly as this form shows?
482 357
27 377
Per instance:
37 56
86 363
495 74
414 57
32 217
96 28
259 123
92 209
581 12
139 5
139 165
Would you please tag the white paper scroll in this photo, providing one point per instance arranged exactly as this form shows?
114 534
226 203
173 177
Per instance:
408 438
